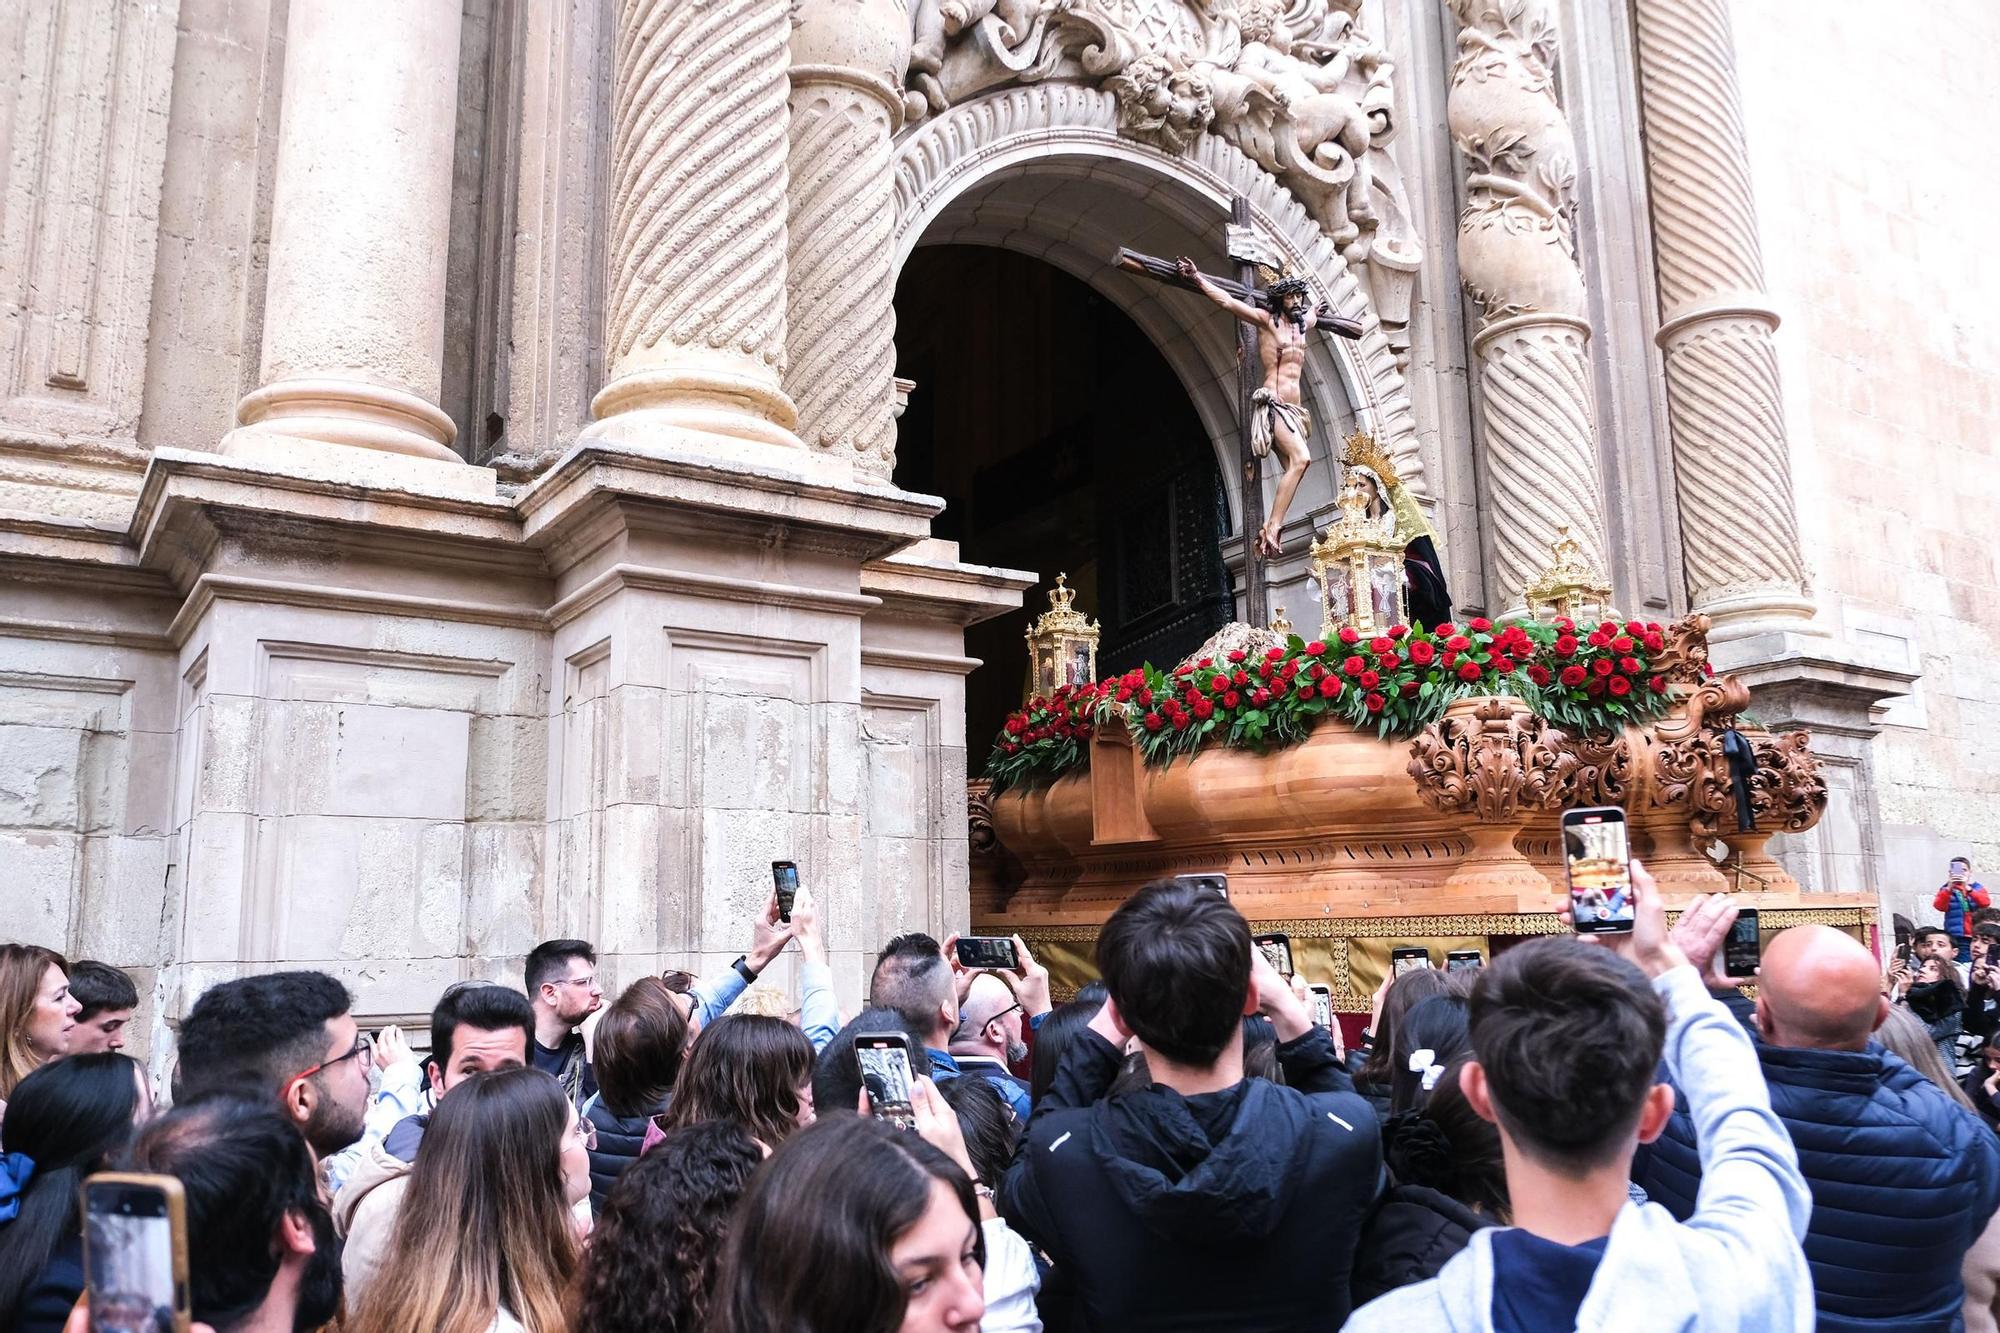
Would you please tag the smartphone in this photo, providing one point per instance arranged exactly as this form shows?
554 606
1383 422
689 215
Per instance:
1322 1005
1408 958
1600 870
886 1063
1463 960
988 951
786 876
1277 951
1743 947
135 1253
1213 883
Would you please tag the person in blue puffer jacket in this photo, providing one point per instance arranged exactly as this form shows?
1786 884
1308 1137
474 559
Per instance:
1903 1178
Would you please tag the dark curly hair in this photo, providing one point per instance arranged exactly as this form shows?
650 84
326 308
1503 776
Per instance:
1447 1147
657 1247
257 1031
746 1068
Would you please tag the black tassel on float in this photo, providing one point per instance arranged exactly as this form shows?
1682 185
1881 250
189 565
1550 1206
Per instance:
1742 767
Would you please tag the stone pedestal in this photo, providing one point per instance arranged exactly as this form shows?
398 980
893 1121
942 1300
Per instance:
354 304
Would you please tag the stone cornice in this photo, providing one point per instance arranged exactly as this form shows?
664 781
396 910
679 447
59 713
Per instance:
934 585
709 586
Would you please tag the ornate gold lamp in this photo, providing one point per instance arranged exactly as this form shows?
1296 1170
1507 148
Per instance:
1569 586
1062 643
1359 564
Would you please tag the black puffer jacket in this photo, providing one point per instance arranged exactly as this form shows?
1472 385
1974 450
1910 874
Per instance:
618 1140
1413 1233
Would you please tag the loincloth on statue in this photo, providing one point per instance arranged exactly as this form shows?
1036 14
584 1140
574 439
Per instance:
1265 410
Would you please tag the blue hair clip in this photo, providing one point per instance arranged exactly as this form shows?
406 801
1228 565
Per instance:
16 1170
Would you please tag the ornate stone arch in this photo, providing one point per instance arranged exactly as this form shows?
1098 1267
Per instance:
1057 130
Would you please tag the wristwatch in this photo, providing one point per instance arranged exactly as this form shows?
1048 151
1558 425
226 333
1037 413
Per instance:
744 970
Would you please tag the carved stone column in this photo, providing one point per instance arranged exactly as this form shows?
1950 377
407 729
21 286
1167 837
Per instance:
847 70
1517 258
695 322
1732 465
360 217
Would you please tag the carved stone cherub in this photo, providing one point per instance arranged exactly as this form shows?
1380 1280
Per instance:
1332 129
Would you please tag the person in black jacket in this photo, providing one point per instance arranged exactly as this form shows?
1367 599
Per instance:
1903 1177
1206 1200
638 1050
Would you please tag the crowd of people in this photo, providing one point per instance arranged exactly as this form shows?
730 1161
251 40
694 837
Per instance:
1600 1134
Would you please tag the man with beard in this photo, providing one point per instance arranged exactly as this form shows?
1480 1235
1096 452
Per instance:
287 1034
562 986
262 1257
989 1042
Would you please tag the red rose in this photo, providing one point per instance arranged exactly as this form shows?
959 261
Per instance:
1305 691
1657 684
1389 661
1422 652
1622 644
1016 725
1654 643
1480 624
1204 664
1381 643
1595 688
1635 627
1146 698
1315 648
1598 639
1565 623
1154 722
1239 678
1350 635
1410 688
1318 670
1572 675
1290 669
1204 709
1398 631
1503 665
1183 670
1217 684
1458 643
1468 671
1446 630
1008 747
1629 665
1353 666
1539 674
1231 699
1135 678
1375 703
1565 644
1619 686
1450 660
1273 654
1124 694
1330 687
1260 696
1602 666
1368 680
1237 654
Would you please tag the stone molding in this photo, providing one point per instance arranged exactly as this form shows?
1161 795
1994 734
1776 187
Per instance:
1732 462
948 153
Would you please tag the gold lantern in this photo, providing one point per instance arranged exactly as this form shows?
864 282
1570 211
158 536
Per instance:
1359 565
1569 586
1062 644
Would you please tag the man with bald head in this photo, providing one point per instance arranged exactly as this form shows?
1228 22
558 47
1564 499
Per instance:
1903 1178
989 1039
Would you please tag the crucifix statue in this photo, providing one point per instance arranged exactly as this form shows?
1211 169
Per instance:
1273 324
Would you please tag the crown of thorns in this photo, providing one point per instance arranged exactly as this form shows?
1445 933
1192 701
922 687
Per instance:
1285 287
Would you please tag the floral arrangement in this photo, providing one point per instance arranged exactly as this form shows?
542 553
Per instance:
1394 684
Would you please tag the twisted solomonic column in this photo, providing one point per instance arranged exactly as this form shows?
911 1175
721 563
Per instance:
1732 466
848 60
1517 258
695 320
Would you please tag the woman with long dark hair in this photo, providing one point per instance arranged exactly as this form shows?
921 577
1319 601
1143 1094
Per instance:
749 1069
855 1227
485 1241
66 1120
657 1245
37 1012
1374 1063
1430 1035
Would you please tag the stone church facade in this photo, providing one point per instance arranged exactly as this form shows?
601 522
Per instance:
449 483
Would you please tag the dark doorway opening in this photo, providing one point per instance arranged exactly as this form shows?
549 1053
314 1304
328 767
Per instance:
1062 442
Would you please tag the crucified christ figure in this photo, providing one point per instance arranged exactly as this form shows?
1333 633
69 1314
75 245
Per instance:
1280 423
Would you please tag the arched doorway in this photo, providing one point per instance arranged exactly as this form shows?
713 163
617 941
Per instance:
1061 441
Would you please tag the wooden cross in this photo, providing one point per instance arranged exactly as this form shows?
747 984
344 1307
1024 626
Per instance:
1248 377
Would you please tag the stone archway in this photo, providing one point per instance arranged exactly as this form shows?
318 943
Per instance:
1042 169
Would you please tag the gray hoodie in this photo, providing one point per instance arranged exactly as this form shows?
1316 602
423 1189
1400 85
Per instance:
1735 1265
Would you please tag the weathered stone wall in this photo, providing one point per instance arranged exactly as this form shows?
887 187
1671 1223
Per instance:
1871 136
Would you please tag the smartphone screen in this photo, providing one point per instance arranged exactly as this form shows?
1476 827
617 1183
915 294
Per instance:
135 1253
1277 951
1742 950
1463 960
885 1063
1218 884
786 876
1408 958
1322 1005
988 951
1600 871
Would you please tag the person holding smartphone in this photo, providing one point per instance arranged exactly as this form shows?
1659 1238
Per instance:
1958 898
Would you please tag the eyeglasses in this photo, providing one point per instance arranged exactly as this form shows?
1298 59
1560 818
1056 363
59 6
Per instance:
586 1133
590 980
362 1046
